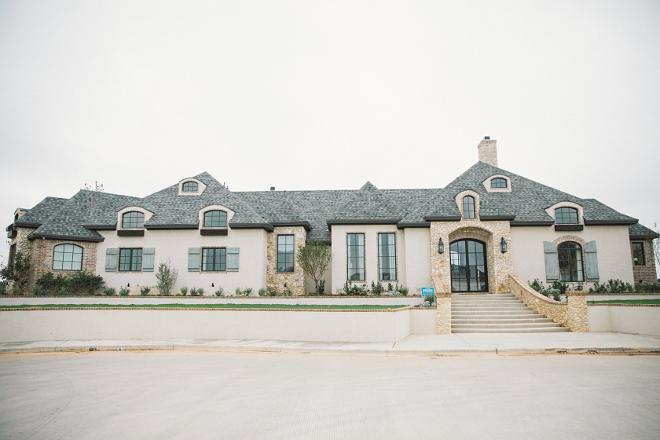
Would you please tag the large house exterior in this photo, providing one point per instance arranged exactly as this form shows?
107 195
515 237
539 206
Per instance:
473 234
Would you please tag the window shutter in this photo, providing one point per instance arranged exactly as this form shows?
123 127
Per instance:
232 259
111 260
551 262
148 256
591 261
193 259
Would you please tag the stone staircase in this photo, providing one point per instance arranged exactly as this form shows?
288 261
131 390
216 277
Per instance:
497 313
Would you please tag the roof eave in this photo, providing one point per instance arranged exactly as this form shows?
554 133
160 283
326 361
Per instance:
304 223
532 223
443 218
173 226
101 227
403 225
610 222
65 237
493 218
267 226
366 221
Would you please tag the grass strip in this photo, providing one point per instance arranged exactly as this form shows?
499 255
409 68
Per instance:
207 306
626 301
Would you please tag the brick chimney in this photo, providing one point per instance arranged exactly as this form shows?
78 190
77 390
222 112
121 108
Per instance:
488 151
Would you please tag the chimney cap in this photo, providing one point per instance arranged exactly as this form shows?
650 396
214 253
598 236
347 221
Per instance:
487 137
272 188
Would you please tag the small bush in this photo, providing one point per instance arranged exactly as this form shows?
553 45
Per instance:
166 277
15 290
377 288
390 287
404 291
428 300
124 292
272 292
3 289
220 291
62 292
288 292
322 287
238 291
37 291
183 290
200 292
247 291
193 291
262 291
144 291
110 291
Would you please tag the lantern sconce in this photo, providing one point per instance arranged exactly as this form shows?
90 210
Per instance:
441 247
504 246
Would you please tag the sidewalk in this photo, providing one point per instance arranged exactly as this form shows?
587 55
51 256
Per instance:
424 345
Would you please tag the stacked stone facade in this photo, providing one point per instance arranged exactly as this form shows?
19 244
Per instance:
645 273
280 281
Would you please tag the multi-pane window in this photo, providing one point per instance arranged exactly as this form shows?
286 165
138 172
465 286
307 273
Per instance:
130 260
189 187
67 257
285 247
214 259
566 216
386 257
570 261
215 219
638 254
133 219
355 256
498 182
468 207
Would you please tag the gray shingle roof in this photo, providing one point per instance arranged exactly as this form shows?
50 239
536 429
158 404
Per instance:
40 212
641 232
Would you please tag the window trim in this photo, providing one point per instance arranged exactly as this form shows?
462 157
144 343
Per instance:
643 253
396 272
364 256
292 253
82 256
132 250
201 266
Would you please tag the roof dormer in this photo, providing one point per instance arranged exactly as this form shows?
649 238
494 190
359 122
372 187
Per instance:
191 187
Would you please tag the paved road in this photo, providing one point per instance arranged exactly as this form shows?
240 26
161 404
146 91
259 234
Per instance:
187 394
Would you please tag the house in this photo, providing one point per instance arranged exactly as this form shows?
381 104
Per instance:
485 225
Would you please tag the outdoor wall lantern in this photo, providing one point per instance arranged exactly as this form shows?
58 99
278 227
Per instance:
504 245
212 285
441 247
128 284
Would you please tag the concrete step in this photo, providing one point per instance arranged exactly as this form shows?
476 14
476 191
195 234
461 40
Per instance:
485 303
500 320
485 297
507 325
488 309
493 312
509 330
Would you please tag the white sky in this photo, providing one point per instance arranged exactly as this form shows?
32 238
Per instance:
327 95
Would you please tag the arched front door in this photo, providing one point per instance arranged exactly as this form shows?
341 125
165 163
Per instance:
468 266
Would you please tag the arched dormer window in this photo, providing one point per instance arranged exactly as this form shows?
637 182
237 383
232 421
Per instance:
67 257
468 207
132 220
215 219
566 216
498 182
189 186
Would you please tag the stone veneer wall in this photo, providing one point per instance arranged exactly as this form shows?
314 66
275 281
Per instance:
295 281
573 314
645 273
42 257
443 306
500 265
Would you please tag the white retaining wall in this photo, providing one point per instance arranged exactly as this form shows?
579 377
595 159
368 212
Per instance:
625 319
127 300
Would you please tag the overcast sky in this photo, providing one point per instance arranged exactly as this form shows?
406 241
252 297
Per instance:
327 95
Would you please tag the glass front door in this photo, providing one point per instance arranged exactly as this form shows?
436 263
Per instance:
468 266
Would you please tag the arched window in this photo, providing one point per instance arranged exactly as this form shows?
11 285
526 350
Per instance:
189 187
468 207
215 219
132 220
498 182
67 257
566 216
569 254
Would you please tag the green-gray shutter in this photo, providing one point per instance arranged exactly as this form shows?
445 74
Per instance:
111 260
551 262
232 259
148 256
591 261
193 259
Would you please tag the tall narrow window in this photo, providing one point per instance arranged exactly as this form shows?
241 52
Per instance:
214 259
12 254
566 216
189 187
285 247
132 220
570 261
215 219
130 260
67 257
355 256
468 207
638 254
386 257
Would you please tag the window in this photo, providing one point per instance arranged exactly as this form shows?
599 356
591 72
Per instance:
498 182
355 255
189 187
386 257
570 261
566 216
285 248
12 254
638 254
214 259
130 260
132 220
215 219
67 257
468 207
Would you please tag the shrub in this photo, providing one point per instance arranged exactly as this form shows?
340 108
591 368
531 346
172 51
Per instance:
166 277
51 283
262 291
84 282
288 292
18 272
322 287
247 291
37 291
390 287
200 292
62 292
193 291
377 288
144 291
238 291
272 292
3 288
220 291
404 291
428 300
110 291
183 290
15 290
124 292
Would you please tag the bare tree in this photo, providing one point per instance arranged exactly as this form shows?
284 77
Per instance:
314 259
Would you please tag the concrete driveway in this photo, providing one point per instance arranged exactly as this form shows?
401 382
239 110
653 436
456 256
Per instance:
188 394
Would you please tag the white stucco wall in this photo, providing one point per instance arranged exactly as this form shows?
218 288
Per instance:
174 244
418 259
612 242
642 320
339 257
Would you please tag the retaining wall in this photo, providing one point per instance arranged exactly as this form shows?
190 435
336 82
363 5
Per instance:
631 318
